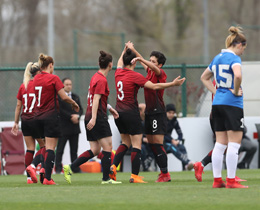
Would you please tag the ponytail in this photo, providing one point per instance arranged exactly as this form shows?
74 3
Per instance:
27 74
30 71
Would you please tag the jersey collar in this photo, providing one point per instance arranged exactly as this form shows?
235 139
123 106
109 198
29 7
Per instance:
227 50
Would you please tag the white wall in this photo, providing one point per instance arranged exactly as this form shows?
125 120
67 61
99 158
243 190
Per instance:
197 134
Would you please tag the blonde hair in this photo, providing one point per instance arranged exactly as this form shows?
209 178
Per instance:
236 36
44 61
30 71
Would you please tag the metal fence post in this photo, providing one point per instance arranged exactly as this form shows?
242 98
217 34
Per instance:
75 48
184 92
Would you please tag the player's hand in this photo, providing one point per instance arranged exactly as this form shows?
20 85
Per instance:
114 113
134 60
130 45
240 92
178 82
91 124
75 106
15 129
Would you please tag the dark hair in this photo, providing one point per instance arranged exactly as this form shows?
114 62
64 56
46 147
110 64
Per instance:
64 79
170 107
161 59
128 56
45 60
35 67
104 59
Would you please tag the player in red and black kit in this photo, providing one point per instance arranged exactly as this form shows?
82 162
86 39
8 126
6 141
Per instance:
129 124
26 101
96 122
155 114
47 87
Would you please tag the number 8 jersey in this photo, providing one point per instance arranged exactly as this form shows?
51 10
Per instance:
221 67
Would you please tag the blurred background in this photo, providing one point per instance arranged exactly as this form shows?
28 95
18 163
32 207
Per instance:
189 32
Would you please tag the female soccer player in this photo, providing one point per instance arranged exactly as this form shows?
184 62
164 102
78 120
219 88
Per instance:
155 114
96 122
129 124
26 101
227 106
47 87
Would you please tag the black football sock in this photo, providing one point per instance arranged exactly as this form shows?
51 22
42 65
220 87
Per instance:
207 159
160 157
49 162
106 162
136 160
120 152
84 157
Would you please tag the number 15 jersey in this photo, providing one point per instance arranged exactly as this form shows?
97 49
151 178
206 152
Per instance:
221 67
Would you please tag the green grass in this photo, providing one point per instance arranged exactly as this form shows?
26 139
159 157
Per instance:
86 192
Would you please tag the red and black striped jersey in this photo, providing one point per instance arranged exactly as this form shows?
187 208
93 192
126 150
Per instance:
154 98
127 84
46 87
28 98
98 85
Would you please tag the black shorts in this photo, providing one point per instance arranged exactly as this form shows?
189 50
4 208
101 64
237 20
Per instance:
155 124
29 128
99 131
226 118
129 123
49 126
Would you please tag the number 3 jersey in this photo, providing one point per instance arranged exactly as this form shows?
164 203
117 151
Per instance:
128 83
221 67
98 85
27 96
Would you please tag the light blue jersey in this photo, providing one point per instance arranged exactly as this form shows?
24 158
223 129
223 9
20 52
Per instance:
221 67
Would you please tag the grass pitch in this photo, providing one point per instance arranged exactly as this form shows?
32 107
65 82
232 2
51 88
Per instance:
86 192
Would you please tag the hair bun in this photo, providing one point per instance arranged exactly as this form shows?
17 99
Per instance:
235 30
42 57
128 51
102 53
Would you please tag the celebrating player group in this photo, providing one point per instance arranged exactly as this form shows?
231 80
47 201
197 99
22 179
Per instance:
37 101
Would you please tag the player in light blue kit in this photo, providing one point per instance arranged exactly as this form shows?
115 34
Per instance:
227 106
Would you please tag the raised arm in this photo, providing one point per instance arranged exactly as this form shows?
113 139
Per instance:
120 62
146 64
176 82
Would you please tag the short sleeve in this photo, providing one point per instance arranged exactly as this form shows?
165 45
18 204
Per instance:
20 93
140 80
58 83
